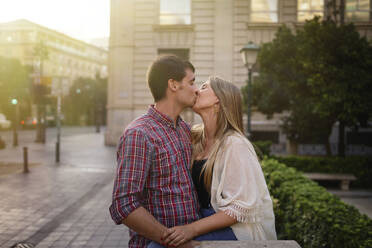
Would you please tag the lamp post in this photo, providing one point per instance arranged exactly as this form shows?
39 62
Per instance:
58 121
249 55
15 124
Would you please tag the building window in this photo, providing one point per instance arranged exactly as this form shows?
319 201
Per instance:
182 53
32 36
359 138
264 11
307 9
272 136
175 12
358 10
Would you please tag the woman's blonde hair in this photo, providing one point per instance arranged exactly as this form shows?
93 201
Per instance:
229 120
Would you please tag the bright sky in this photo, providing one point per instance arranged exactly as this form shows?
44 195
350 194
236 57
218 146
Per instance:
81 19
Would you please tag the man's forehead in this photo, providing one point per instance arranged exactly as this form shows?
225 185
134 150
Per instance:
189 74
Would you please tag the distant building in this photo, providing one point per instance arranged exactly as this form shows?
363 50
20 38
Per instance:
101 42
69 58
208 32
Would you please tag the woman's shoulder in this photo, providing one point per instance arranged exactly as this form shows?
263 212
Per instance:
236 138
238 141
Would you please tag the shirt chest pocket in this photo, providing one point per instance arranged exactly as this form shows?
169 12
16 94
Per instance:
166 165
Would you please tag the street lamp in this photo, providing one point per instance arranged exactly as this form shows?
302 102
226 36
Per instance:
249 55
58 123
15 124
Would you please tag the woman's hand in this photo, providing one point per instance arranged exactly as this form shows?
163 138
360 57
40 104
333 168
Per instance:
177 235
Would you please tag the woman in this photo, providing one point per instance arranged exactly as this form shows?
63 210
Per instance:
226 172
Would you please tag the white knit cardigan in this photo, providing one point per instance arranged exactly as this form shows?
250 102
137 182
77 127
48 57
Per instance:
239 189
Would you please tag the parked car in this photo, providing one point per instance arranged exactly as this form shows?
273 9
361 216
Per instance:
29 122
4 123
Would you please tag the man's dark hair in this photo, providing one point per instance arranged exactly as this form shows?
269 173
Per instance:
166 67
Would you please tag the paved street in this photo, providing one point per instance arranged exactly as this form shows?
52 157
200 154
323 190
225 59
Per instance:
66 204
63 205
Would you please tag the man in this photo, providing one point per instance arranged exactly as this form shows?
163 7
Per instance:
153 188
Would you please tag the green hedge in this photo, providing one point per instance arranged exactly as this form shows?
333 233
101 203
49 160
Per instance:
361 167
307 213
262 147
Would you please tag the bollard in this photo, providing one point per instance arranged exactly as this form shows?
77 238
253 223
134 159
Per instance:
57 152
15 138
25 160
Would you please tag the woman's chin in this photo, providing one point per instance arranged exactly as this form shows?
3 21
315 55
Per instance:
195 109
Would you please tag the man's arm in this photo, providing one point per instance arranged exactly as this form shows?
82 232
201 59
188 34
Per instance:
134 159
142 222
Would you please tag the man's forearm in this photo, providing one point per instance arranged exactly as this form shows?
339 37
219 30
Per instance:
143 223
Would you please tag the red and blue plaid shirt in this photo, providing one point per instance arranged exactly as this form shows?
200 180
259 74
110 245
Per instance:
153 171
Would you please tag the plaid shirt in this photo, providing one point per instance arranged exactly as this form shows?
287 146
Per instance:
153 171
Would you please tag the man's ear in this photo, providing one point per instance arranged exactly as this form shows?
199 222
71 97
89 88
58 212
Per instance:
172 84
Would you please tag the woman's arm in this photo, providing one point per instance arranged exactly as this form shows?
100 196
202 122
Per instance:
211 223
180 234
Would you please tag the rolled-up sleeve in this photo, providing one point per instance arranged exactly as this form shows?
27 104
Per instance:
134 157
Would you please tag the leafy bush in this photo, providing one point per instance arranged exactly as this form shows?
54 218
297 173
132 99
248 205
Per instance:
361 167
307 213
262 147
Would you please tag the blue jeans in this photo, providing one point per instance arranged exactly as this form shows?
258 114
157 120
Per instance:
221 234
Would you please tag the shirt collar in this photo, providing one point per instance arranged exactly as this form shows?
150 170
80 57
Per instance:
163 118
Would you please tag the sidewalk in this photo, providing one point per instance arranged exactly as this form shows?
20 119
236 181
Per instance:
361 199
66 204
61 205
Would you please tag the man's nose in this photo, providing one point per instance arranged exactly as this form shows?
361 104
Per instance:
196 90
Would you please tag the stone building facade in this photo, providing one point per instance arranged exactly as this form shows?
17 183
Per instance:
208 32
68 58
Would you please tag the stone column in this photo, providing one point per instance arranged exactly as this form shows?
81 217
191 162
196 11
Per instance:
120 85
223 39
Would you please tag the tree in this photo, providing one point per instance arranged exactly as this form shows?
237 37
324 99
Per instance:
100 101
320 75
91 97
14 83
41 54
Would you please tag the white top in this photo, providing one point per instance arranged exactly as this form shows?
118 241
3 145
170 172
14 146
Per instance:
239 189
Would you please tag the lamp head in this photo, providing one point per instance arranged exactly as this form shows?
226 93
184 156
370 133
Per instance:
249 54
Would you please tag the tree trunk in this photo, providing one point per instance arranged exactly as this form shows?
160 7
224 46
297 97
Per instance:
328 147
327 143
38 125
341 139
342 12
292 147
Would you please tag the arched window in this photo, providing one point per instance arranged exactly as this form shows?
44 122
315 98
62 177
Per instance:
264 11
175 12
307 9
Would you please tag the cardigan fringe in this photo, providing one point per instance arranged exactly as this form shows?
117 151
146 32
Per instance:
244 215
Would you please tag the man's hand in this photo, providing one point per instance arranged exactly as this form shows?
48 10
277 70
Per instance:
177 235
